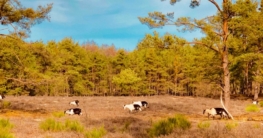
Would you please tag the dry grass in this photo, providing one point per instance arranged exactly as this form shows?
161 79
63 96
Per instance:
26 113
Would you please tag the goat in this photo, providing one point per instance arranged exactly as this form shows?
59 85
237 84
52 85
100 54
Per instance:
255 102
216 111
141 103
76 102
2 96
132 107
73 111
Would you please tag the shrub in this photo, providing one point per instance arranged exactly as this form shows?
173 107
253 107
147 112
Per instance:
203 125
74 126
231 125
51 125
252 108
5 127
257 125
261 103
5 124
165 127
58 114
5 104
180 122
5 134
96 133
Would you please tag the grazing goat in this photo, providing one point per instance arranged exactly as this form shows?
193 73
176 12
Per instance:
216 111
76 102
2 96
132 107
255 102
73 111
141 103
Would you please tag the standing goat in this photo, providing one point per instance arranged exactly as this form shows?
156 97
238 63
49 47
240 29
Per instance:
76 102
2 96
216 111
141 103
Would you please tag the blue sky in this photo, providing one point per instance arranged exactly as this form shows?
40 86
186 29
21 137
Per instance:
110 21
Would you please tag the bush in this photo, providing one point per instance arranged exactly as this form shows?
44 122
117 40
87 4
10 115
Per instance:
180 122
5 127
252 108
257 125
96 133
74 126
5 134
203 125
5 104
231 125
5 124
165 127
261 103
51 125
58 114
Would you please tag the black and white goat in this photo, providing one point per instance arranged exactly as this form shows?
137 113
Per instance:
73 111
2 96
141 103
132 107
216 111
76 102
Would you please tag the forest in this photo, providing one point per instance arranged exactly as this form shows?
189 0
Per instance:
160 64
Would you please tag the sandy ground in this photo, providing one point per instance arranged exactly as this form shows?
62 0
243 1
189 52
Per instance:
26 113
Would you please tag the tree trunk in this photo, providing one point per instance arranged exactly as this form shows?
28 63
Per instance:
225 55
226 80
257 87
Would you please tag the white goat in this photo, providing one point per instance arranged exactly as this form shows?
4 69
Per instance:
132 107
76 102
2 96
255 102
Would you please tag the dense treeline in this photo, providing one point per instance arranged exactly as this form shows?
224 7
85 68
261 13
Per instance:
159 65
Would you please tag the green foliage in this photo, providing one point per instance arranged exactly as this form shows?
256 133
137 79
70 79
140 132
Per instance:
5 124
12 12
252 108
5 104
159 65
203 125
231 125
51 125
5 127
95 133
162 127
165 127
58 114
256 125
5 134
180 122
260 103
73 126
69 125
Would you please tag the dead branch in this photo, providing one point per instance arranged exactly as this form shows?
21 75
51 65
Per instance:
221 100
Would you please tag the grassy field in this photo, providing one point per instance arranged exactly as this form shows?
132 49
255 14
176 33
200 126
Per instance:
27 113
